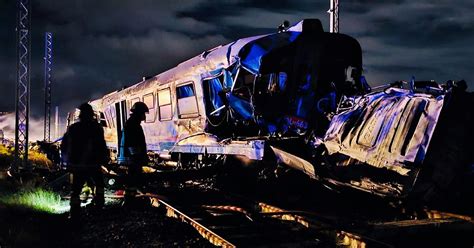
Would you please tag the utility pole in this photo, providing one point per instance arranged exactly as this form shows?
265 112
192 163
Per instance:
22 107
48 62
333 16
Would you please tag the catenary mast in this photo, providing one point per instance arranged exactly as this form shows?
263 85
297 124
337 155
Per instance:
333 16
22 107
48 62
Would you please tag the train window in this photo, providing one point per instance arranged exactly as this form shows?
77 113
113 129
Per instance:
112 115
149 100
184 91
277 82
109 117
164 104
187 104
273 83
244 84
214 95
102 120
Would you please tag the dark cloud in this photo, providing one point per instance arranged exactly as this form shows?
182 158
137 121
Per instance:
425 30
215 10
250 18
100 46
365 6
421 23
428 39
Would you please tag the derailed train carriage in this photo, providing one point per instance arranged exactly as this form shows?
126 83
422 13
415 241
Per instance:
298 98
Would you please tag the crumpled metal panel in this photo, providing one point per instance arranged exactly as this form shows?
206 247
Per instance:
295 162
204 143
390 129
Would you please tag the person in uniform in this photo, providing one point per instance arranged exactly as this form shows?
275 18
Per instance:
84 150
133 150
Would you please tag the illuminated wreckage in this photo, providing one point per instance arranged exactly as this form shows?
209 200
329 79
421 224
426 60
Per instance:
298 98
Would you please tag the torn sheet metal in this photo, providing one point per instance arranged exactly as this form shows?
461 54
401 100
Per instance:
295 162
390 129
251 55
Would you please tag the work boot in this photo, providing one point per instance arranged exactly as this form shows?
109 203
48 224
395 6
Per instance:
98 203
129 202
75 213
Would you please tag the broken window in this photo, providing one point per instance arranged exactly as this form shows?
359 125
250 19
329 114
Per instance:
187 103
241 96
276 82
164 104
214 95
270 102
244 84
272 83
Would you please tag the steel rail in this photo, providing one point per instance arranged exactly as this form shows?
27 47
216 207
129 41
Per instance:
206 233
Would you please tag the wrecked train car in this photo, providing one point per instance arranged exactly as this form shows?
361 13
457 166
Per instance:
398 142
242 93
296 98
387 142
401 142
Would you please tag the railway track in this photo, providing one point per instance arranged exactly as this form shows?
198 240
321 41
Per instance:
232 220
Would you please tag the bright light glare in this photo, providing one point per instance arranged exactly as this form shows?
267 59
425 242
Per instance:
39 200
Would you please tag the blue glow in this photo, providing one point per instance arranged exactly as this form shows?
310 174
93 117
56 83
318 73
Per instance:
261 47
215 87
252 61
184 91
242 107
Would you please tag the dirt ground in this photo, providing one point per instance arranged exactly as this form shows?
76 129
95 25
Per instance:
145 226
114 226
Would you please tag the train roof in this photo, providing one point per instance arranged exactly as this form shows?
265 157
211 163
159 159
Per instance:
224 56
246 51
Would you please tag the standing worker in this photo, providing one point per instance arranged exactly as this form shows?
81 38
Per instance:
133 151
84 150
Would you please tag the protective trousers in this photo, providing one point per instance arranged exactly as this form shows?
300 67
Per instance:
93 177
133 182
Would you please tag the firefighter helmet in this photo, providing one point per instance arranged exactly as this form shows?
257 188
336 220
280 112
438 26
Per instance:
139 108
86 111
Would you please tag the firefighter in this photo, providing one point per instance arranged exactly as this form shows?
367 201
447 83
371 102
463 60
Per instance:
84 149
133 151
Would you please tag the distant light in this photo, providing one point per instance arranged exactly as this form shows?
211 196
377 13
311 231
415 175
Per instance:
111 181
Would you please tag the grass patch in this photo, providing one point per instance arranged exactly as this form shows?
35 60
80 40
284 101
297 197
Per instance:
37 199
35 158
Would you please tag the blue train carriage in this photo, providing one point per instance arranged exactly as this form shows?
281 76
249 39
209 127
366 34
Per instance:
233 99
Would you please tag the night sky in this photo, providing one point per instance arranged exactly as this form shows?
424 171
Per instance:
100 46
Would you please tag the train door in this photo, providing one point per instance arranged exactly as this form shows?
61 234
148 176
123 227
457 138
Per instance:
121 114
